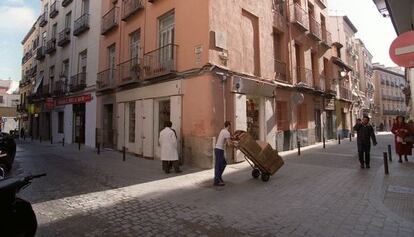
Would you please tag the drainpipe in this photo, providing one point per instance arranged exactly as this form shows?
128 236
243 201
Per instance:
223 77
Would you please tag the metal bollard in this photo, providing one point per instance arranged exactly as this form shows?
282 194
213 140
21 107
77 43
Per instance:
123 153
32 137
350 137
385 163
389 153
298 148
40 139
63 142
99 148
339 139
51 139
24 137
323 140
79 144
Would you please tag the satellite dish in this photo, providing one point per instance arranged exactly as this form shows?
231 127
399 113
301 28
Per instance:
297 98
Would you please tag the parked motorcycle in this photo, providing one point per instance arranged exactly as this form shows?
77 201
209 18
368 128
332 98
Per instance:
17 218
8 151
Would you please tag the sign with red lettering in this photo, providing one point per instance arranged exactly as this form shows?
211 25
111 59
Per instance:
402 50
74 100
49 103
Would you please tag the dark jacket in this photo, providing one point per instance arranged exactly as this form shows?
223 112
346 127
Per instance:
365 133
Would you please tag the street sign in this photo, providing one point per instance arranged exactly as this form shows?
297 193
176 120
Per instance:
402 50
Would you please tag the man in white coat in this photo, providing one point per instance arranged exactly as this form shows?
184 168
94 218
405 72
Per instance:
169 153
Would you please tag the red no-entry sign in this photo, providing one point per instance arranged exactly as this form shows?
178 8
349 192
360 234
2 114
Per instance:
402 50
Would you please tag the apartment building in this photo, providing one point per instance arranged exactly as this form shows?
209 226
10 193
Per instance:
29 74
365 87
236 61
63 97
9 100
390 97
344 58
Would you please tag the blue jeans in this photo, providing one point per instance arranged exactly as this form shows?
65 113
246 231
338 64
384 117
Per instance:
219 166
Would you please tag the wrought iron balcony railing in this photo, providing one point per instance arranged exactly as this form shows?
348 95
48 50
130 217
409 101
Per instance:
109 20
77 82
106 80
59 88
64 37
300 17
51 46
54 10
326 37
281 71
315 28
43 19
345 93
161 61
131 7
129 71
81 24
40 53
304 77
320 85
279 20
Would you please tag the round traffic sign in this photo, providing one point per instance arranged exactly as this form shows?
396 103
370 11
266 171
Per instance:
402 50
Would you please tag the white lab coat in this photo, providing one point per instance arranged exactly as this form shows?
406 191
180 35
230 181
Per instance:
168 143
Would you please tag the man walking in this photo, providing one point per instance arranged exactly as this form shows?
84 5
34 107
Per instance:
365 133
169 152
220 165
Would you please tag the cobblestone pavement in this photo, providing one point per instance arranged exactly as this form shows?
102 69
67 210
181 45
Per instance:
321 193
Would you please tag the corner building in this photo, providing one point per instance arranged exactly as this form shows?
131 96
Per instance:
201 62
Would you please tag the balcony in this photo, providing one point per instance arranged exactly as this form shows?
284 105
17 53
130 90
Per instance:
300 17
81 25
330 87
129 71
65 3
322 3
315 29
51 46
77 82
281 71
279 20
304 78
106 80
326 37
160 62
345 94
40 53
320 85
64 37
59 88
109 21
54 10
43 19
131 7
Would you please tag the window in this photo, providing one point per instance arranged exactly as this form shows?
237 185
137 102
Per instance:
83 56
51 76
302 118
85 7
61 120
166 30
111 61
132 121
278 46
68 19
65 68
54 29
134 44
282 118
44 38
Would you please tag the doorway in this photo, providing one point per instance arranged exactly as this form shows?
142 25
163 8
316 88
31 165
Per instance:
253 117
329 125
163 112
79 122
108 126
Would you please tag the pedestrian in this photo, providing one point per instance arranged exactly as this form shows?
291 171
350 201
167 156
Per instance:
220 164
365 133
403 138
381 127
169 151
22 132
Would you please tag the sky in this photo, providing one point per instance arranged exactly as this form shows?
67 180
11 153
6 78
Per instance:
18 16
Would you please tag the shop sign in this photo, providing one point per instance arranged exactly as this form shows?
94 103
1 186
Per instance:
49 103
74 100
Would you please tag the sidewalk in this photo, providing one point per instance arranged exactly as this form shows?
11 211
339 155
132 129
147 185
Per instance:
321 193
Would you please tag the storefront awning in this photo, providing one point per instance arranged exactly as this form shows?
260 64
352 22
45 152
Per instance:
38 82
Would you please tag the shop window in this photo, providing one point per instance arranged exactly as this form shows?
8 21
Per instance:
302 118
132 122
60 122
282 118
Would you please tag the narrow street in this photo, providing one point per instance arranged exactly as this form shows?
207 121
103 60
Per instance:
321 193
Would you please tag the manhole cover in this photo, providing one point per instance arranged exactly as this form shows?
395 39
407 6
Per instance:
400 189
